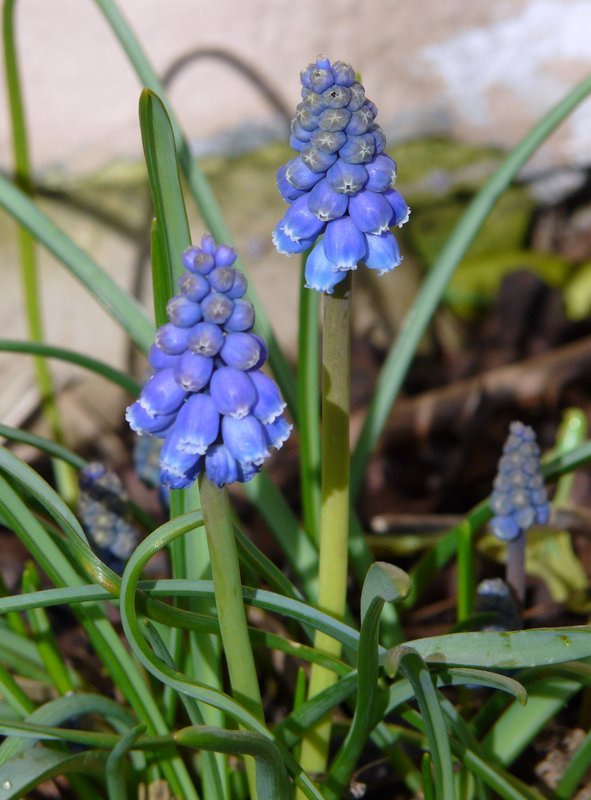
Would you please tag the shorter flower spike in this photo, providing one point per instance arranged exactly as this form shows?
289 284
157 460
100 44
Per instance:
519 499
207 398
339 185
102 508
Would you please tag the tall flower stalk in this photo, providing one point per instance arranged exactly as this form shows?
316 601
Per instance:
342 205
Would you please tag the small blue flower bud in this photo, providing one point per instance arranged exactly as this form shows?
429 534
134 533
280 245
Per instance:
194 286
336 96
178 469
382 173
358 149
246 472
317 160
264 351
239 287
278 432
197 424
347 178
196 260
357 97
217 308
233 392
221 467
225 256
182 312
320 272
172 340
370 211
158 359
316 78
360 122
286 190
401 210
378 138
304 122
344 74
269 403
189 256
206 339
344 244
146 425
313 101
382 252
334 119
161 393
242 316
245 439
241 350
193 371
208 244
325 203
221 278
328 141
299 222
301 176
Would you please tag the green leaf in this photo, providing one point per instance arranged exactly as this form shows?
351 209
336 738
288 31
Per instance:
386 581
27 771
507 650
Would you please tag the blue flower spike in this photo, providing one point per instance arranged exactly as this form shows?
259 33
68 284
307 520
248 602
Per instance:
519 499
207 397
339 186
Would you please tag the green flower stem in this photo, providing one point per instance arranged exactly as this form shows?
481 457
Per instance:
466 571
334 522
309 404
64 474
515 570
230 605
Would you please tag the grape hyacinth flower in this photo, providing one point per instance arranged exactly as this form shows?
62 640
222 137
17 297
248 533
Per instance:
102 508
340 185
207 397
519 499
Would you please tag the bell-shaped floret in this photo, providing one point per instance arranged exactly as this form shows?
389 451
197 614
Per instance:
242 317
336 97
178 469
207 339
299 222
197 424
382 252
344 74
233 392
269 404
370 211
172 339
357 97
193 371
325 203
245 439
360 122
161 393
221 278
399 207
143 424
286 190
287 246
241 350
239 287
158 359
220 465
304 122
382 173
301 176
378 138
196 259
182 312
194 286
346 178
278 432
334 119
344 244
217 308
320 273
505 528
317 78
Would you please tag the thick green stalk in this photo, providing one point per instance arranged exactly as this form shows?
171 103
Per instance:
29 269
230 605
334 522
466 571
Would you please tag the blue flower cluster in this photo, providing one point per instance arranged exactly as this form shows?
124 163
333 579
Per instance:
102 509
340 184
207 397
519 499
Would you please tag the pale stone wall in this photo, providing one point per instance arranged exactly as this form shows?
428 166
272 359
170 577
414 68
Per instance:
481 71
